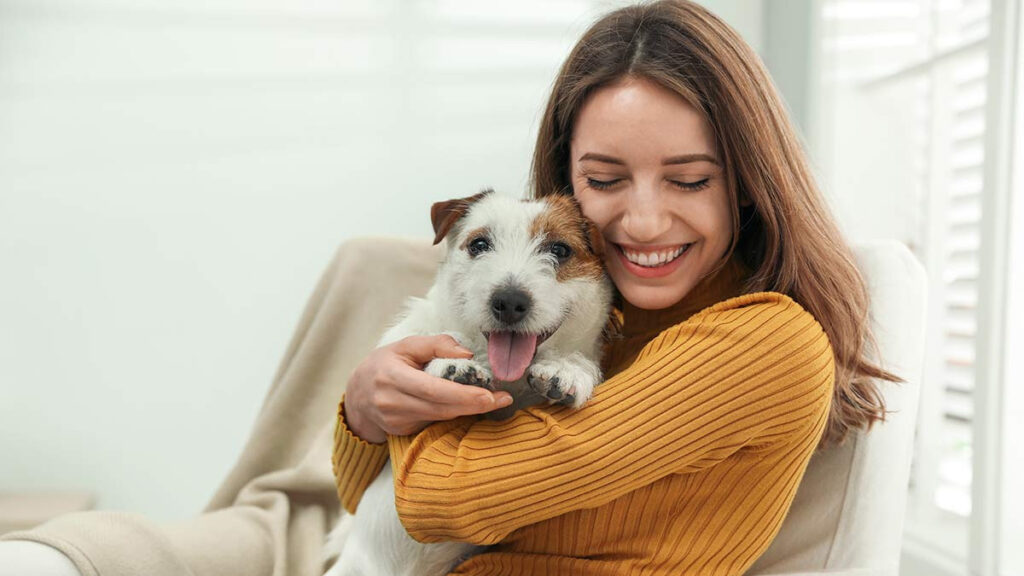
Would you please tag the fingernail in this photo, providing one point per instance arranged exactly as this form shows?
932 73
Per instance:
504 400
463 350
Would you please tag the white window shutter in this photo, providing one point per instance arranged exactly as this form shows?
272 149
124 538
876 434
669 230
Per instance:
931 53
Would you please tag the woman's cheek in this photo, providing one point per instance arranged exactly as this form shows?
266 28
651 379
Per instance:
586 203
710 212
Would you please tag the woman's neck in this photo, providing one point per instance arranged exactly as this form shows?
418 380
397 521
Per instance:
724 284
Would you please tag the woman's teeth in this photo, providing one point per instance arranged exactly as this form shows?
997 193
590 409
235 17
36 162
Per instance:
654 259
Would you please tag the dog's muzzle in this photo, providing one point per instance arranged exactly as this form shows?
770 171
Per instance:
511 351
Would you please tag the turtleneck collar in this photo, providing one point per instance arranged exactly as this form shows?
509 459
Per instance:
726 283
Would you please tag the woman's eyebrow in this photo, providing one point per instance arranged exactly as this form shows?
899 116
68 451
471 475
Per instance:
601 158
687 158
683 159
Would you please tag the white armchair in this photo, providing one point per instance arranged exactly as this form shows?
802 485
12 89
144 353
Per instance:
848 514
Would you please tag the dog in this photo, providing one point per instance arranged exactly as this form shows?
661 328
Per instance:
524 288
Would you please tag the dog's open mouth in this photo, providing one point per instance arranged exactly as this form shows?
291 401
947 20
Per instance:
510 353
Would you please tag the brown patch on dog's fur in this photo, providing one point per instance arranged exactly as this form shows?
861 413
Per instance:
445 214
473 235
564 221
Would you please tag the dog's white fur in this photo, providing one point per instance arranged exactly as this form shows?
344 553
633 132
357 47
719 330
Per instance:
374 542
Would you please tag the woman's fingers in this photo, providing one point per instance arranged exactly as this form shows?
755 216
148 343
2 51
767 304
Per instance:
447 396
422 349
404 414
389 392
424 413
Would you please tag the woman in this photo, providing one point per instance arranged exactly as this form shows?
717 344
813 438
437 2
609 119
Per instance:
743 319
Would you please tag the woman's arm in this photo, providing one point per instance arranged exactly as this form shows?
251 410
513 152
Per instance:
388 393
746 373
355 462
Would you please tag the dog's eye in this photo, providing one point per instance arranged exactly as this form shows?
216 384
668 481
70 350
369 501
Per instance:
478 246
561 250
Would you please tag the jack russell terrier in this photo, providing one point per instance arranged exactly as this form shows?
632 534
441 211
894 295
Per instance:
524 288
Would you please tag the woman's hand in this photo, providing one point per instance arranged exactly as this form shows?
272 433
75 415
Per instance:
389 393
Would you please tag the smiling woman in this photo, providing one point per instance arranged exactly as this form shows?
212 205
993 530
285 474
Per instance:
644 170
743 345
649 86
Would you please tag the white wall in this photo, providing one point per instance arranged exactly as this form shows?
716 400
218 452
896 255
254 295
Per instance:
173 178
789 34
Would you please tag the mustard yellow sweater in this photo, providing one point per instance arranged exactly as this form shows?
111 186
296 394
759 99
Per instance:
685 460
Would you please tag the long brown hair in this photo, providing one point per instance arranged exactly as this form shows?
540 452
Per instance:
783 229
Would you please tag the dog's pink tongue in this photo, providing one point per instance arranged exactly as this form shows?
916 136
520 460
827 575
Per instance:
510 353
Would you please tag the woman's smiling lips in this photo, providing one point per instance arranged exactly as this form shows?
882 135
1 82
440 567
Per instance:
650 255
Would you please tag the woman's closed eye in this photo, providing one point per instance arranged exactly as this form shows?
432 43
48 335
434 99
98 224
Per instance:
696 185
606 184
602 184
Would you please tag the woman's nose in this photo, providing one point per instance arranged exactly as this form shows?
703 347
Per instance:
645 219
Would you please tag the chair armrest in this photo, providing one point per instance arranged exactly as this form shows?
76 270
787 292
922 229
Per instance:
27 558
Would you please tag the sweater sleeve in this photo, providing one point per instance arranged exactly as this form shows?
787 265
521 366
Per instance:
355 461
747 373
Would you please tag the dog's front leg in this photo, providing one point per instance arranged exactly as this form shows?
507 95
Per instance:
565 378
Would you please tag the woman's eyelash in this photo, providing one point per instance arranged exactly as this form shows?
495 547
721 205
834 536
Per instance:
698 185
601 184
605 184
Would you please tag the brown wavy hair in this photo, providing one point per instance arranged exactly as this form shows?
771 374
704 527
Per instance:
784 231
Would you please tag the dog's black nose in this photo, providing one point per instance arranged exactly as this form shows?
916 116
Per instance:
510 305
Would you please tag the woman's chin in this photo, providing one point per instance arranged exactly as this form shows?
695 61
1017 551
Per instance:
653 297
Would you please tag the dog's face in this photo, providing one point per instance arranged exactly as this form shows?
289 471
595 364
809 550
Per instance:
516 270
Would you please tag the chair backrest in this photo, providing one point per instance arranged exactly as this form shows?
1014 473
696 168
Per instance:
849 510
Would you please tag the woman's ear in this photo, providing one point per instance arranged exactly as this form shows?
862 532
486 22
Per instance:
445 214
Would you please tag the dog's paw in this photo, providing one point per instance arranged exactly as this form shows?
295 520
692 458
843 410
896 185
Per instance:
562 382
463 371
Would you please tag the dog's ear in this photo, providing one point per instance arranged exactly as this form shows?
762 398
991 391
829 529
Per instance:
595 241
445 214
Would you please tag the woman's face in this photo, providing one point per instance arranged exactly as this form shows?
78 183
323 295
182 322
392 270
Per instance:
644 170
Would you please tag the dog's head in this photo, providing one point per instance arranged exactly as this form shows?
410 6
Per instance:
517 270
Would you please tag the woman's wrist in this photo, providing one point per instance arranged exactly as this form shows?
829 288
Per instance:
362 428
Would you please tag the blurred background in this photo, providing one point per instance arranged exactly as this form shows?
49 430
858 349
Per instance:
174 176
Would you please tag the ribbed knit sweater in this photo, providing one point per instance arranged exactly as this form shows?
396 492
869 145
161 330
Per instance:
685 461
